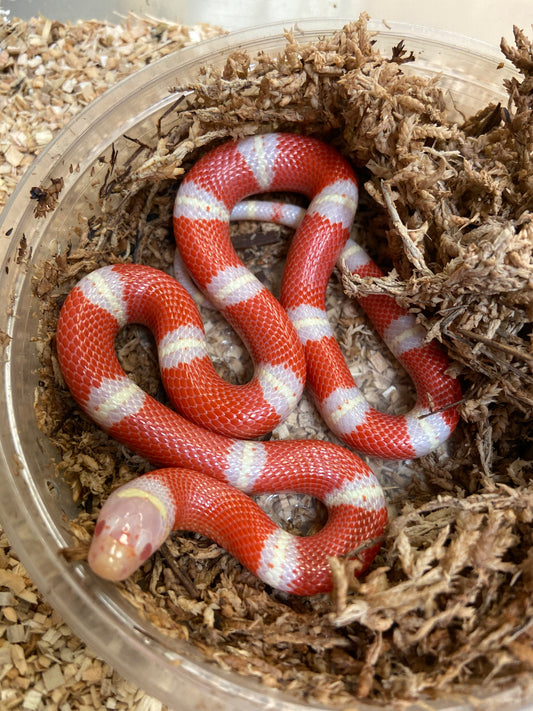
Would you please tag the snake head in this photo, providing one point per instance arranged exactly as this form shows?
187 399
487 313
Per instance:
130 527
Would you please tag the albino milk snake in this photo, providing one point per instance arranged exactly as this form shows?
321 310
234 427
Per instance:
209 461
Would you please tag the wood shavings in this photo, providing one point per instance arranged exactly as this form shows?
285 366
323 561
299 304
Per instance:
53 70
42 663
448 604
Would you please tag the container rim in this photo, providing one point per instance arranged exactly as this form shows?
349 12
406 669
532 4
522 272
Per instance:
230 42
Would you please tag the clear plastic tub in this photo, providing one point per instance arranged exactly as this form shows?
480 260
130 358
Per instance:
33 503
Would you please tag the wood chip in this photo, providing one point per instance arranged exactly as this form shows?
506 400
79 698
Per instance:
53 677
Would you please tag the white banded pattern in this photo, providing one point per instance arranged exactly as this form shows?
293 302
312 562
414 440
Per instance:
103 288
353 256
182 345
259 153
365 493
281 387
403 334
426 431
263 210
310 322
196 203
279 560
337 203
232 286
113 400
246 461
345 410
154 490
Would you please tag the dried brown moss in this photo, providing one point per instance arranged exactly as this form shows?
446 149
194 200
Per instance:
448 605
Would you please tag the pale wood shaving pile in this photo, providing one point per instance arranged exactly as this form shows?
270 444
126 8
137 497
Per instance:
448 605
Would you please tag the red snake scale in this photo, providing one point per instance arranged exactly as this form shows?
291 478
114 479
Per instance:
205 446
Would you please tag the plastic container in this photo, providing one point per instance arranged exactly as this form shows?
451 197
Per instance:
33 504
476 18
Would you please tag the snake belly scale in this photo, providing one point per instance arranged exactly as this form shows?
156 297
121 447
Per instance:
209 460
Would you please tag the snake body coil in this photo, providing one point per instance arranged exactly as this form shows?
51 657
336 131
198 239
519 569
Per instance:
209 463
